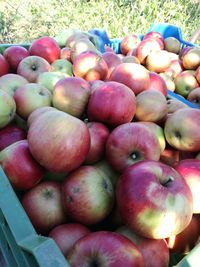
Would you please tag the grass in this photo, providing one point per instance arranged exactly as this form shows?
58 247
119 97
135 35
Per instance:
25 20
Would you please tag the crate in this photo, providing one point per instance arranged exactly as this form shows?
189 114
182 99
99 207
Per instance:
20 246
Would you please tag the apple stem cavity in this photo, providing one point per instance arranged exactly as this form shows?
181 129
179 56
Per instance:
168 182
135 155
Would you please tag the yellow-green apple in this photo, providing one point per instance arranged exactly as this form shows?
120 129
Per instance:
157 83
185 82
88 195
175 68
7 108
129 42
172 44
190 170
151 105
158 61
133 75
184 242
105 248
112 103
64 141
182 129
44 207
197 74
10 82
62 65
22 170
66 235
74 37
14 54
168 80
191 59
194 96
111 60
29 97
5 67
184 51
99 133
154 199
45 47
30 67
130 59
90 66
125 145
65 53
11 134
159 132
48 79
71 95
154 251
173 105
145 47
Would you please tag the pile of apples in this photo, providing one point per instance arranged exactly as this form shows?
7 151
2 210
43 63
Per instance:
103 162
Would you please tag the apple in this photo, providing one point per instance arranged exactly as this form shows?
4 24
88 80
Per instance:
7 108
95 84
190 170
191 59
111 103
154 200
170 155
154 35
49 79
197 74
66 235
172 44
157 83
88 195
158 61
111 60
173 105
105 248
30 67
29 97
45 47
90 66
10 82
65 53
74 37
138 76
182 129
194 96
14 54
151 105
125 145
184 51
11 134
43 205
154 251
60 134
175 68
185 82
130 59
62 65
168 80
129 42
20 167
99 133
71 95
5 67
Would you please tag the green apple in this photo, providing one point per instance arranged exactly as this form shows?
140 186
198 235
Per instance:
10 82
62 65
7 108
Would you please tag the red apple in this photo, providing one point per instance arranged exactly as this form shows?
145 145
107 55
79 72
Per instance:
157 83
45 47
11 134
43 205
65 53
129 42
90 66
105 248
111 60
20 167
194 96
60 134
125 145
154 251
98 136
71 95
182 129
153 35
170 155
29 97
111 103
30 67
154 199
175 68
10 82
5 67
190 170
14 54
133 75
66 235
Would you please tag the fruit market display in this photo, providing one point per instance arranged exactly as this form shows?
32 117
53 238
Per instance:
103 161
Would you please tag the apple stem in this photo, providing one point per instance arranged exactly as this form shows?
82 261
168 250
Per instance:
168 181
